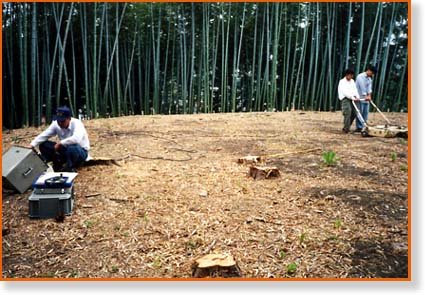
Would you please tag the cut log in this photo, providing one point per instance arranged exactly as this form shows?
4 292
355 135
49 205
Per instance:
216 266
263 172
250 160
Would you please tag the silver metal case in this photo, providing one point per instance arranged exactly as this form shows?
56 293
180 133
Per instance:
20 167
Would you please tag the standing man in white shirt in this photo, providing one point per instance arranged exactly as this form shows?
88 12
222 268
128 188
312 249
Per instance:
73 147
364 88
347 92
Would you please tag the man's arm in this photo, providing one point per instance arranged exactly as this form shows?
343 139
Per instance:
356 96
45 135
340 91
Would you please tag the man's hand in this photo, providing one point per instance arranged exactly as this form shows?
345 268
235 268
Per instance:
58 146
356 99
30 147
368 98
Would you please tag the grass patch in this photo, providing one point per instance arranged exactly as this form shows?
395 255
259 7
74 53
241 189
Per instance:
337 224
291 268
330 158
89 223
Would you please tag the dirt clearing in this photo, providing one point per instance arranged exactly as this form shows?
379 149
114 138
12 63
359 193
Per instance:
180 193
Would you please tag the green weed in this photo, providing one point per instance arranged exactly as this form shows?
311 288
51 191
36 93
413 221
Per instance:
157 262
403 141
291 268
337 224
89 223
302 238
330 158
193 244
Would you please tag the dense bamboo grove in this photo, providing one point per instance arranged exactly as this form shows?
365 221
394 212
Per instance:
112 59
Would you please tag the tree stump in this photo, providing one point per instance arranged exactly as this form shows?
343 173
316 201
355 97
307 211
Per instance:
216 266
250 160
263 172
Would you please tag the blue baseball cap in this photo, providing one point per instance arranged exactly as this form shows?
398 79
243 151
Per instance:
62 113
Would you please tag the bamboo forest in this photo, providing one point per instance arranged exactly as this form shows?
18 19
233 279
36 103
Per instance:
119 59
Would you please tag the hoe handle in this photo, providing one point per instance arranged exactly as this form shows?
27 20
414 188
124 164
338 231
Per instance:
359 115
379 111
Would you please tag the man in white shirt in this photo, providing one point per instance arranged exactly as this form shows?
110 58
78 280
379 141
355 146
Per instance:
73 147
347 92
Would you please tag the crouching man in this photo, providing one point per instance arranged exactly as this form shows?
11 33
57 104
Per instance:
73 147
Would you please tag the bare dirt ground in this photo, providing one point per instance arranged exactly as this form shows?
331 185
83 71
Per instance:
179 194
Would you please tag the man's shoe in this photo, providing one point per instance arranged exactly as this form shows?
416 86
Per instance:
345 130
358 130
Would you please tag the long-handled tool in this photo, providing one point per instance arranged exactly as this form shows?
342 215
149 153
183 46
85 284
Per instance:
379 111
387 130
364 131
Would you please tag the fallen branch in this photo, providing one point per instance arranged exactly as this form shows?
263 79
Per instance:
182 150
101 161
120 200
210 247
162 158
92 195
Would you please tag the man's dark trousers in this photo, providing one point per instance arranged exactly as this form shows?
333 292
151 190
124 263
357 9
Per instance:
72 156
348 113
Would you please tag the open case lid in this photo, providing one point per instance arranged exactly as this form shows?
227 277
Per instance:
54 179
